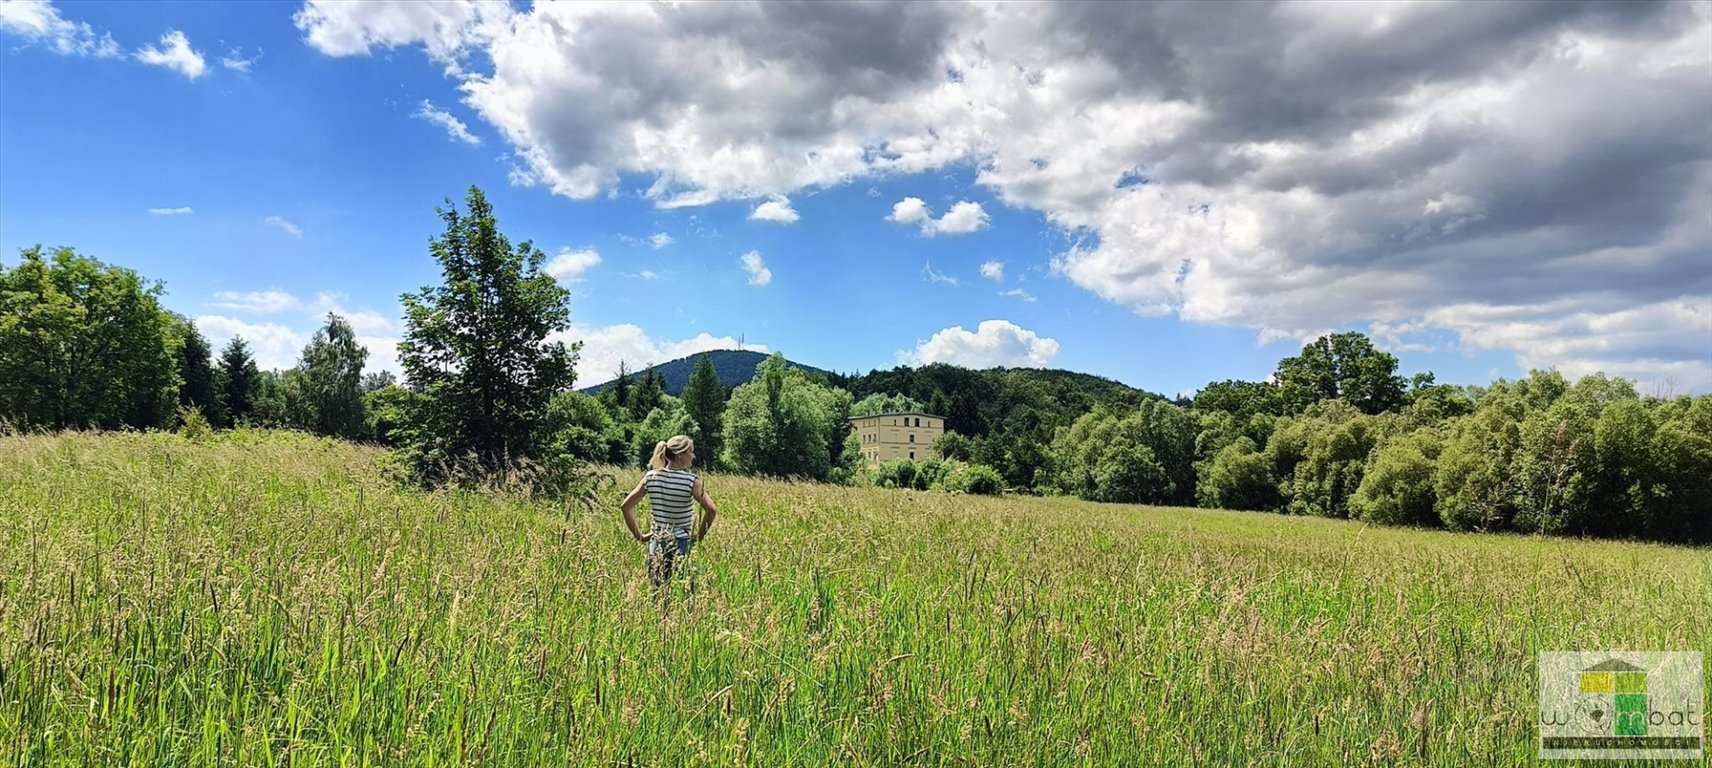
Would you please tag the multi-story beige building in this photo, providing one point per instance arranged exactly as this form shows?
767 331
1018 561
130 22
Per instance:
890 436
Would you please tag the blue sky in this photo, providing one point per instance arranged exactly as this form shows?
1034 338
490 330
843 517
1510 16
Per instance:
273 161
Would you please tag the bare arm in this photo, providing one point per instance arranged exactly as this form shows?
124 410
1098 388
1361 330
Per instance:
628 507
706 502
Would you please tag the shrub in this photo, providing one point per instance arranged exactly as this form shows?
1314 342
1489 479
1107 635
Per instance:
930 473
192 424
897 473
974 478
1239 477
1397 487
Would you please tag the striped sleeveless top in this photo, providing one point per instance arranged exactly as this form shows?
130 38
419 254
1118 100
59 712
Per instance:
669 497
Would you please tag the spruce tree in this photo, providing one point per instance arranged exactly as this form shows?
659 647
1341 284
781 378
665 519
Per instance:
197 386
704 399
238 381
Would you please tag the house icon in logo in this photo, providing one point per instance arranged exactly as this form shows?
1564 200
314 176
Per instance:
1625 685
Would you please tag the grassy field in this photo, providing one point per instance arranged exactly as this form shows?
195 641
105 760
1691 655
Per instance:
272 600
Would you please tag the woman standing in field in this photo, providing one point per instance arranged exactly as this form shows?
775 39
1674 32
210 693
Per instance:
670 487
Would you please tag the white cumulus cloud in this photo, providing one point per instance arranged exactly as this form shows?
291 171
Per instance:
963 218
279 343
180 211
659 240
910 210
569 265
993 270
759 274
175 53
273 345
994 343
777 209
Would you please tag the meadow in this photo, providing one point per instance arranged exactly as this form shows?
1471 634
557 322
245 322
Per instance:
263 598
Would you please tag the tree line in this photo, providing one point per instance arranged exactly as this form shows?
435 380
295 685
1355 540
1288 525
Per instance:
488 393
87 345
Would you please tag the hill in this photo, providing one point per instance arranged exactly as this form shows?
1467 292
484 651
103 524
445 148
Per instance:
733 366
201 602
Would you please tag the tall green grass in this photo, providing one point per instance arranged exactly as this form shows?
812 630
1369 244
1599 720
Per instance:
269 599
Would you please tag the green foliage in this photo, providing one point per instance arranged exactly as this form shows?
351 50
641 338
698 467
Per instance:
1008 416
895 473
191 424
843 447
1135 457
850 463
477 348
646 396
1128 471
1475 489
1239 476
1342 366
378 380
978 479
931 473
953 446
782 424
1397 485
324 393
1169 432
83 344
1682 467
1241 399
384 409
1551 469
1334 458
665 420
238 380
268 407
879 403
1432 403
198 385
704 400
585 429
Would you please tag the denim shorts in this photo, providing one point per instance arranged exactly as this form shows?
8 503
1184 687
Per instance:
665 548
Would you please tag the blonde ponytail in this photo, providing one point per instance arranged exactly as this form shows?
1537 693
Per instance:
666 450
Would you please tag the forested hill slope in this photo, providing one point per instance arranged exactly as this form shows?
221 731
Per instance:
733 366
962 393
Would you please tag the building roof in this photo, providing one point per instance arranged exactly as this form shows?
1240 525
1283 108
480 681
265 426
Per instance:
897 413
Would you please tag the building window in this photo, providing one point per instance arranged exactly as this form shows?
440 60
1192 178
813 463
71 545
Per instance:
912 455
912 437
918 421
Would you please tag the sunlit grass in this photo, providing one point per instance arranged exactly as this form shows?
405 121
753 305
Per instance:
272 600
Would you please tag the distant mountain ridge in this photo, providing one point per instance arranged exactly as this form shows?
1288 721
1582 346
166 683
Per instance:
734 367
